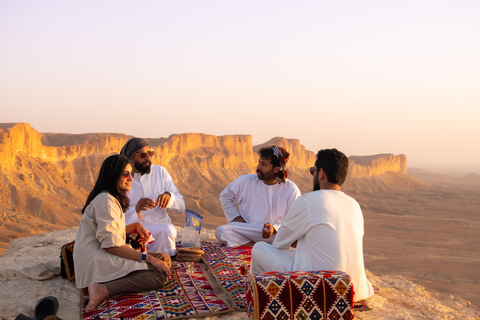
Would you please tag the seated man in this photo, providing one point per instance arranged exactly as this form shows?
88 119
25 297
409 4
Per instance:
152 191
327 226
263 200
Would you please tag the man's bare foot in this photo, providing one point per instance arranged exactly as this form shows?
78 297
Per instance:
97 293
248 244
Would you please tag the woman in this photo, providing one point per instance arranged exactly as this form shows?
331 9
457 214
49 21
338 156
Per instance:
103 262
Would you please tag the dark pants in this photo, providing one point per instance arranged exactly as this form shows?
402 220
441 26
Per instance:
140 280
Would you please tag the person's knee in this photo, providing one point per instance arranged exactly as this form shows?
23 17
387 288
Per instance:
259 249
219 232
166 230
158 278
171 231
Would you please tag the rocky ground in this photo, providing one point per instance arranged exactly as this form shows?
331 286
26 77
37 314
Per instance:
395 296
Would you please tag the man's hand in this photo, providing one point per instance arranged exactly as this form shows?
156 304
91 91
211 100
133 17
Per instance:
268 230
144 204
163 200
239 219
162 265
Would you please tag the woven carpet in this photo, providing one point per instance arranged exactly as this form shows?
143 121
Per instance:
185 296
225 266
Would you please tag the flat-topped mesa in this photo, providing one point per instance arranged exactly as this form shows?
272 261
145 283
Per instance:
180 152
367 166
15 137
203 150
21 137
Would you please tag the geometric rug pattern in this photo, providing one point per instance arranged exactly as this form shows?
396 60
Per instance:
300 295
224 263
185 296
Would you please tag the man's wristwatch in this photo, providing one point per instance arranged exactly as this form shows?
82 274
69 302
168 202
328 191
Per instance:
144 257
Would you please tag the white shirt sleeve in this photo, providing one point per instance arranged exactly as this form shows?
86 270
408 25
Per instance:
228 198
294 226
293 194
176 203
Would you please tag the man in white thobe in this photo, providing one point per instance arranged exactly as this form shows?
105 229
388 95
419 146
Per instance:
255 204
327 226
152 192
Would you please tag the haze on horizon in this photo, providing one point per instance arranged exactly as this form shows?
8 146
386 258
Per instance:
365 77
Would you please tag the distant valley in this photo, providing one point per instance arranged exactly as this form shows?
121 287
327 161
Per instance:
417 224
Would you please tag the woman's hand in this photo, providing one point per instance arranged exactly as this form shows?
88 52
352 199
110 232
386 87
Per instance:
162 265
129 253
142 231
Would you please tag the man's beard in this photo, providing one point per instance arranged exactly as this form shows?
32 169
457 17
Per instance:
262 176
143 167
316 185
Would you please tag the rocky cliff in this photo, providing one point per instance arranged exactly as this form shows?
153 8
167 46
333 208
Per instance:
367 166
45 177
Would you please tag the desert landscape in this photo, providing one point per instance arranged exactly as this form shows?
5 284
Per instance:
418 225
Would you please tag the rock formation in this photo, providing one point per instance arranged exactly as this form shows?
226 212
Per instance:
45 177
367 166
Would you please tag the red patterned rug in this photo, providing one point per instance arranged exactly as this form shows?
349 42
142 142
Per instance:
225 266
185 296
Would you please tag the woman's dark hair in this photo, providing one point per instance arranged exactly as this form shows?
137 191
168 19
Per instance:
110 172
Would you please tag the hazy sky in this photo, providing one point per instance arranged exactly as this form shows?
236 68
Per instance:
366 77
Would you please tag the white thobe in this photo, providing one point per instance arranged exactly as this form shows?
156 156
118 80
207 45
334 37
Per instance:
258 203
156 220
328 226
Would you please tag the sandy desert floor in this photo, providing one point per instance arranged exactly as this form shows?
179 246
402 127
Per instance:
427 232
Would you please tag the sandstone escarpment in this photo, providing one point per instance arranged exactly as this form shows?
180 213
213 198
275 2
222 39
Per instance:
45 179
47 176
21 137
367 166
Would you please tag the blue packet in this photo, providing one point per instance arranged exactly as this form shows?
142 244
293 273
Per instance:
191 231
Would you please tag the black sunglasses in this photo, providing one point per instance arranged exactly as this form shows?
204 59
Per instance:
142 155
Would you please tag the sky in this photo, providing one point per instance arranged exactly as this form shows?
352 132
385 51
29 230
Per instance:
365 77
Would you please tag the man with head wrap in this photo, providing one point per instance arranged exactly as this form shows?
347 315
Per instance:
327 226
255 204
151 193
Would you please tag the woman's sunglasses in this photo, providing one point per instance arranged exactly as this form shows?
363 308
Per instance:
127 174
142 155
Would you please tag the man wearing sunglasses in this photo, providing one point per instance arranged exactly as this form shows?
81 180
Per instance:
152 191
327 226
256 204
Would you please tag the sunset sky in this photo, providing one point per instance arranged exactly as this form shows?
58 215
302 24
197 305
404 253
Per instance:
366 77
